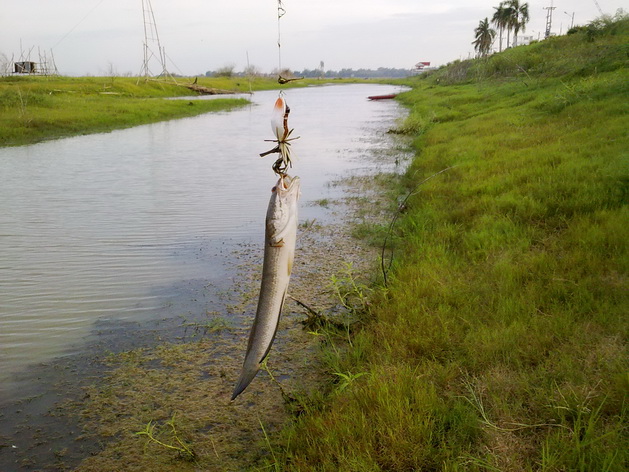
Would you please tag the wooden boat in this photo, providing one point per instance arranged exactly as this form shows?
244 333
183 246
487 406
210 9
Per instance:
383 97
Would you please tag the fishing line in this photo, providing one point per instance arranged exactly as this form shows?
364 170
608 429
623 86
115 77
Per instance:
279 121
281 11
76 26
401 208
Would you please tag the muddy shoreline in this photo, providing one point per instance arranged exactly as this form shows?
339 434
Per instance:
82 412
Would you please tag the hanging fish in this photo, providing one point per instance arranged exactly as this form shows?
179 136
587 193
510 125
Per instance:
279 251
279 125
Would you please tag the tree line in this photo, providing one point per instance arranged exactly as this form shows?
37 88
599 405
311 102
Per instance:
509 16
380 72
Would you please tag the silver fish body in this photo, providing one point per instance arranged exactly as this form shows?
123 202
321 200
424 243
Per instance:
279 252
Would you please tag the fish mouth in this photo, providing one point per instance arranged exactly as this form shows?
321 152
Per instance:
286 185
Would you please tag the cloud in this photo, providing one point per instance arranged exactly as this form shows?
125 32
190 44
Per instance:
200 35
398 41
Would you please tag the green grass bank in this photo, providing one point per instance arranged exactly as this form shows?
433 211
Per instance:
34 109
500 340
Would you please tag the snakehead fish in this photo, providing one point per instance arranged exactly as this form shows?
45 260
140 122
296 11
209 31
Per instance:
279 251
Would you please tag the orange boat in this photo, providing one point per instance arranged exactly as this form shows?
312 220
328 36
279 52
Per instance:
383 97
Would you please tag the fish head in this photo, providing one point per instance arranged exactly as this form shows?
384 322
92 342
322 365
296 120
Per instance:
282 212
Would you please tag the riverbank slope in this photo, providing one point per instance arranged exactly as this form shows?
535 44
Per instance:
500 342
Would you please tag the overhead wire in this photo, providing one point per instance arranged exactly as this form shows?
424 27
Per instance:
77 25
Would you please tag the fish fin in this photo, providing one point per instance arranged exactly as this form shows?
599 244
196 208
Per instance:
279 243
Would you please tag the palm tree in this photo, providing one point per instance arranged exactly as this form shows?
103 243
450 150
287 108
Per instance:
519 18
501 20
484 37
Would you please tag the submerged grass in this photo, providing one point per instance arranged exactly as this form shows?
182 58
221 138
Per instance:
500 342
168 409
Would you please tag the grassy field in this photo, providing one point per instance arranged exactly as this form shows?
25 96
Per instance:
33 109
500 340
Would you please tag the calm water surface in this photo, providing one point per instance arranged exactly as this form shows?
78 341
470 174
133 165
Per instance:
103 226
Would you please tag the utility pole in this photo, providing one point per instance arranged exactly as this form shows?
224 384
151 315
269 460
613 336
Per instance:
151 42
549 19
571 21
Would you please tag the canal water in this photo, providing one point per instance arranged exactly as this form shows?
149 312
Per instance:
132 225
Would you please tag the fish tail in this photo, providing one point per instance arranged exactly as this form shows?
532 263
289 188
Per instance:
246 376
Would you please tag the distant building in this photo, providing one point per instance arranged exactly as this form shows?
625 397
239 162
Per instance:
524 40
25 67
422 67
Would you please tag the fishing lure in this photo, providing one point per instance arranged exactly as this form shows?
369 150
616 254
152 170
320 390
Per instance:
279 125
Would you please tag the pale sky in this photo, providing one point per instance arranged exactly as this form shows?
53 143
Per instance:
95 36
